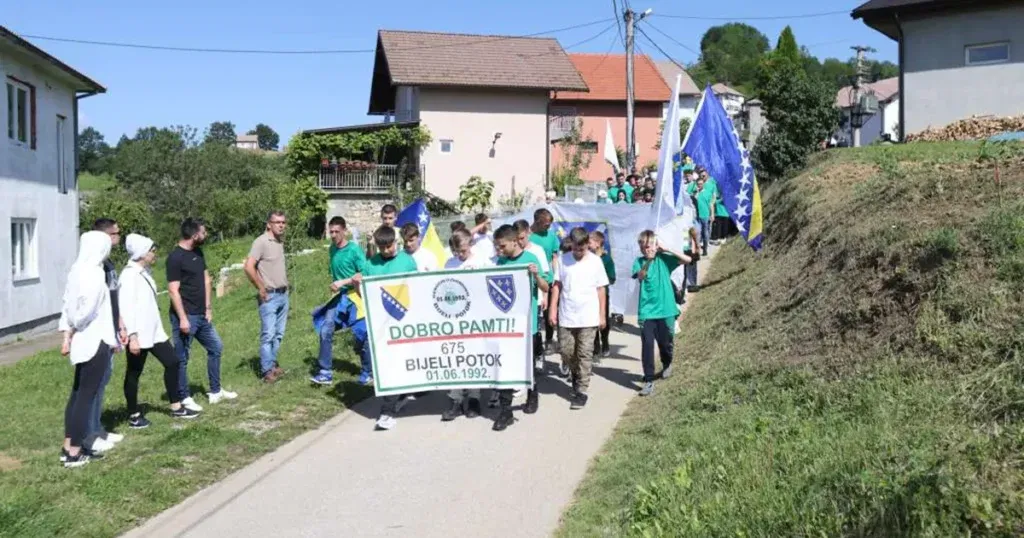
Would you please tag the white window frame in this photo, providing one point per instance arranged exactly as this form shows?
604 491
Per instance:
969 48
451 145
24 250
13 121
63 183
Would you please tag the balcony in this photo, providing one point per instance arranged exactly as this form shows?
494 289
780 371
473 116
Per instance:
360 177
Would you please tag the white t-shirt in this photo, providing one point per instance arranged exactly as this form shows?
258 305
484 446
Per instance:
545 267
578 304
483 246
472 262
425 260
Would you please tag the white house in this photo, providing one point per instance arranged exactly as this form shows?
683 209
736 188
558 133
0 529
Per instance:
484 100
957 59
39 207
731 99
883 124
689 93
247 142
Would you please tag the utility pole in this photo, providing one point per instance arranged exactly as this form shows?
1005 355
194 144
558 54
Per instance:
631 17
856 112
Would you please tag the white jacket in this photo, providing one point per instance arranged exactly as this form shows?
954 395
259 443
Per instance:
139 310
87 309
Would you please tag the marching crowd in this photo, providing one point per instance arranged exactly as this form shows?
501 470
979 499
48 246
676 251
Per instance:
106 312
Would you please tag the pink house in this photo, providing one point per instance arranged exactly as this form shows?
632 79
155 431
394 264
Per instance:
605 75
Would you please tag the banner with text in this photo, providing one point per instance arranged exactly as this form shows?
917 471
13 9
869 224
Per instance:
449 330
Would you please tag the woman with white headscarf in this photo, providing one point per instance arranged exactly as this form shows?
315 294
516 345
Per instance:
142 322
87 319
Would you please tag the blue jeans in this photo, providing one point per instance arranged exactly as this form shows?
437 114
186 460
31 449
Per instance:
96 406
362 346
705 234
273 318
206 334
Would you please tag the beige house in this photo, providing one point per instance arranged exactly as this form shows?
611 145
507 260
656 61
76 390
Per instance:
247 142
484 100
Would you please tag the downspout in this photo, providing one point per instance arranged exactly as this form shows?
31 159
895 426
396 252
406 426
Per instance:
74 123
547 148
903 94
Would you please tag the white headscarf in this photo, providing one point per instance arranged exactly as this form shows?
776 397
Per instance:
86 279
137 246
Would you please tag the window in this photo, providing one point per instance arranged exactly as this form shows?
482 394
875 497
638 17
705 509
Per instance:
21 112
62 156
446 145
990 53
24 248
588 146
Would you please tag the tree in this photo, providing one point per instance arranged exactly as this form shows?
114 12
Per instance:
801 113
220 132
786 46
575 158
730 54
93 152
684 127
268 138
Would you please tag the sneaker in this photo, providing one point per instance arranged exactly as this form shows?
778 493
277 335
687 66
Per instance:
114 438
579 402
504 420
473 408
386 422
100 446
493 401
322 379
453 412
532 402
666 372
138 422
606 352
222 395
365 379
574 389
538 364
78 460
563 370
518 393
278 371
184 412
647 389
191 404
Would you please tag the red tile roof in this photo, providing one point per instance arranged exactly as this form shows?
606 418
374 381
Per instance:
605 75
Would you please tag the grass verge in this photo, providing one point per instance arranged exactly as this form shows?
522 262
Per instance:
863 376
156 468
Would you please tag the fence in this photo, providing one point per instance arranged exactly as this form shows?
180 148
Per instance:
347 177
587 192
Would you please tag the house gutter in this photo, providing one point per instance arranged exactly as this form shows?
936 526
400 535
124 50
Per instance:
547 148
900 59
74 110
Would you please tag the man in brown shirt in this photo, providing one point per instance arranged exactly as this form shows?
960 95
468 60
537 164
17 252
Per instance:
265 268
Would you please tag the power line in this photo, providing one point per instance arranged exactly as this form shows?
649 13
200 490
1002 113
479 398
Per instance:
661 50
618 21
672 39
571 45
302 52
768 18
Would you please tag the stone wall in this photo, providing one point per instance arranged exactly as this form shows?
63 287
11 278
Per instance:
361 211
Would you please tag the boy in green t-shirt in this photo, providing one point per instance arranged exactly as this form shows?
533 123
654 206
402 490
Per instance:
388 261
548 240
510 252
346 260
601 347
704 194
657 307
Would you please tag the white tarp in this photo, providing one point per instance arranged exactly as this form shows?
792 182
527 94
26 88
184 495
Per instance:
450 330
621 224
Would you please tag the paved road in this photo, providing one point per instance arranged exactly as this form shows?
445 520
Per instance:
425 478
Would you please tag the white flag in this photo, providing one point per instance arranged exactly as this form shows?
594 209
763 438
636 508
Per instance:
609 147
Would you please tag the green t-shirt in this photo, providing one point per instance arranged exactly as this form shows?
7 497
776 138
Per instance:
720 210
657 301
549 242
704 202
613 194
609 267
346 261
401 263
691 188
526 258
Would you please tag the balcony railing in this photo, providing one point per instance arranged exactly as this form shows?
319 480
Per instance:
346 177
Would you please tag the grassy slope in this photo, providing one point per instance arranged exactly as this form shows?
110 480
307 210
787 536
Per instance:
156 468
93 183
863 377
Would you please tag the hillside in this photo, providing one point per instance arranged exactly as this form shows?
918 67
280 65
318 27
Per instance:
863 376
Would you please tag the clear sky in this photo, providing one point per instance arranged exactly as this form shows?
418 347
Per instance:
295 92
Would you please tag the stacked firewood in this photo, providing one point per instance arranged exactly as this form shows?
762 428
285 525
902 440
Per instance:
977 128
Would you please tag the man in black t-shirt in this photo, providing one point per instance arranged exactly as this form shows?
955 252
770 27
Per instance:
189 286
